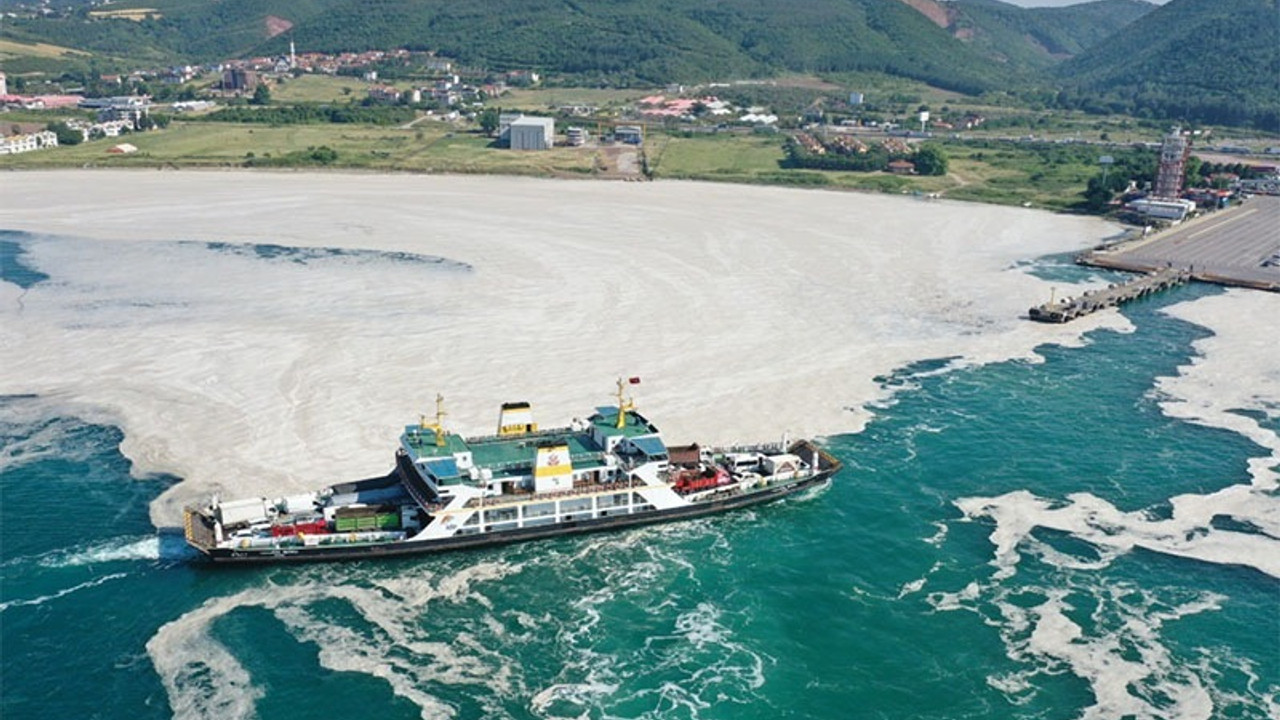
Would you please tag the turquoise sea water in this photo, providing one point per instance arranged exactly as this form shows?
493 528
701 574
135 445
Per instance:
875 597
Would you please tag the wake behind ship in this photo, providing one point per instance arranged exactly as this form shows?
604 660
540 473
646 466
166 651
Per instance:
448 492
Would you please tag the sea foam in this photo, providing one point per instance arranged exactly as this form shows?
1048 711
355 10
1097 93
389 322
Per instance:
1232 382
204 679
1236 370
260 334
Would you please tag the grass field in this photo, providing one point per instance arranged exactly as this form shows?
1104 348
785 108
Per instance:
428 147
1046 176
13 48
1021 176
721 156
1009 175
314 88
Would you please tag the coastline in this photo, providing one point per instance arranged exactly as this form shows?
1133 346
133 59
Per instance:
749 310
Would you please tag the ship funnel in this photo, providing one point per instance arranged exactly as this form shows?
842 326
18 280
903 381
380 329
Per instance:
554 468
516 418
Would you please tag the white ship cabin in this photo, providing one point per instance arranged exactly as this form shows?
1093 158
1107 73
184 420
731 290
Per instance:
522 460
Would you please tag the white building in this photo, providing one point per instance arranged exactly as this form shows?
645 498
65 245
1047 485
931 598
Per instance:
4 85
1175 210
533 133
15 144
504 125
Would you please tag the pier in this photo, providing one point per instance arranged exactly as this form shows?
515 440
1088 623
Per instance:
1070 308
1239 246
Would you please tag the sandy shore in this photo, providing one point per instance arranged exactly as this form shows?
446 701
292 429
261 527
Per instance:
747 311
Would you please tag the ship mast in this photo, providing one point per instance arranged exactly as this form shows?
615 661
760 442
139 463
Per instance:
438 425
625 404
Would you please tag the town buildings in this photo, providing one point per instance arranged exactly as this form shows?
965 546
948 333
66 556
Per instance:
26 142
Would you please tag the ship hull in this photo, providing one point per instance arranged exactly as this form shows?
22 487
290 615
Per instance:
231 556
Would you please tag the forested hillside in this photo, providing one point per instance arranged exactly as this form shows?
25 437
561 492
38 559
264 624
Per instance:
1201 60
1040 37
618 41
1198 60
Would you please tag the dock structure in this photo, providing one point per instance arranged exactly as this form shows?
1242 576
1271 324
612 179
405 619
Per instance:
1239 246
1070 308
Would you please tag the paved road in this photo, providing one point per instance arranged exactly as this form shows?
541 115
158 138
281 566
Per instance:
1231 244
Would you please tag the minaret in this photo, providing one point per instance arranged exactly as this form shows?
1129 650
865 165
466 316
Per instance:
293 55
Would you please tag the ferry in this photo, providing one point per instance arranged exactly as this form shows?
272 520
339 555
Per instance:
446 492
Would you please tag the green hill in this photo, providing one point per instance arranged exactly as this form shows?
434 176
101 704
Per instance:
1199 60
615 40
1040 37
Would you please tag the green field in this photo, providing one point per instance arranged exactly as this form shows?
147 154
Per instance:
1040 175
1010 174
320 89
428 147
39 50
759 159
721 156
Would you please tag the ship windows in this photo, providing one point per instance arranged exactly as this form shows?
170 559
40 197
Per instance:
539 510
500 515
614 500
575 505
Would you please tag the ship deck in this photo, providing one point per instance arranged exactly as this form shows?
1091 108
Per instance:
522 495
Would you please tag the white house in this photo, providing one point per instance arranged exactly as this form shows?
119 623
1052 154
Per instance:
15 144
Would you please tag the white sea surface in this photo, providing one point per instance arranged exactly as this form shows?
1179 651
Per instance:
746 311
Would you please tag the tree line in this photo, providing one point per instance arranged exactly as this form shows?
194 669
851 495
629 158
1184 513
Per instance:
311 115
928 159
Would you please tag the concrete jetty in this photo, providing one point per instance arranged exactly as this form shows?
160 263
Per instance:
1070 308
1239 246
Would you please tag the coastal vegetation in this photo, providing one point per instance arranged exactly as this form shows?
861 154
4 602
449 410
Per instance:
1210 61
1043 174
428 147
1011 123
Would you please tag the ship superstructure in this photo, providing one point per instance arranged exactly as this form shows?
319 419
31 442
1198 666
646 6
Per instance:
448 491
